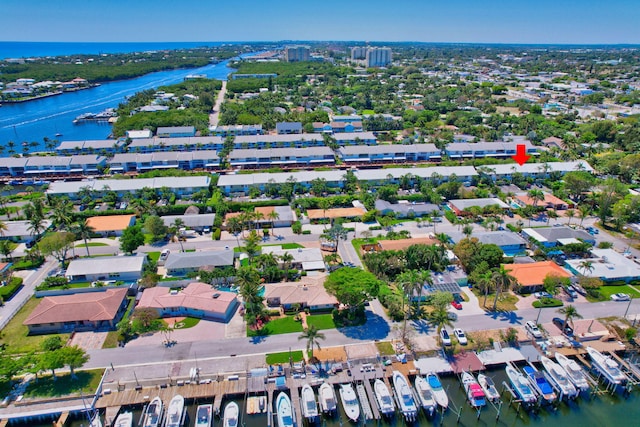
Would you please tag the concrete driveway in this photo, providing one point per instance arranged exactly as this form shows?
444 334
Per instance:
205 330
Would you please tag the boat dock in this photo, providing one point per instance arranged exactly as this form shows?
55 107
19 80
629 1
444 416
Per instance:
364 401
372 398
295 399
111 413
628 368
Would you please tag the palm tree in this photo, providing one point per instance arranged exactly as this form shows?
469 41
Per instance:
286 259
570 313
467 230
536 196
251 244
61 214
585 211
410 282
84 231
440 318
273 216
6 248
235 227
175 228
586 266
551 214
313 337
3 228
502 281
570 214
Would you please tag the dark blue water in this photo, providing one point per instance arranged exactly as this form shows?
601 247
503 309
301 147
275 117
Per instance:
34 120
39 49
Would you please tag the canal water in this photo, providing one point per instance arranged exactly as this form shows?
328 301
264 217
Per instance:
602 410
34 120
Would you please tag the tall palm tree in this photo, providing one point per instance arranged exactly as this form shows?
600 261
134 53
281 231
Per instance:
586 266
61 213
570 313
174 230
313 337
6 248
502 281
286 259
235 227
585 211
84 231
3 227
409 282
440 318
536 196
570 214
273 216
467 230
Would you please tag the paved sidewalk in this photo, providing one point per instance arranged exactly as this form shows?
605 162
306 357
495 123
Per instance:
236 328
472 306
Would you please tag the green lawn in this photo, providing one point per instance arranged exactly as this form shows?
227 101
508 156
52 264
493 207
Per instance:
111 341
321 321
385 348
15 334
283 325
91 244
154 256
188 322
607 291
288 245
278 358
547 302
86 382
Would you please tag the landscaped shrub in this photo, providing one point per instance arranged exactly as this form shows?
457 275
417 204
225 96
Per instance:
547 302
28 264
216 234
8 290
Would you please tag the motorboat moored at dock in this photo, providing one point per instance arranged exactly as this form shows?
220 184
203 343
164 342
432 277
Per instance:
203 415
575 373
152 414
520 385
439 392
284 410
309 404
405 397
559 378
475 394
608 367
350 402
327 398
539 382
425 395
175 412
489 387
125 419
384 398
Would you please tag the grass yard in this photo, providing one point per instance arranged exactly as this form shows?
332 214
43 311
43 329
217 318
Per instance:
15 334
288 245
153 256
283 325
607 291
283 358
547 302
506 302
91 244
321 321
188 322
385 348
86 382
111 341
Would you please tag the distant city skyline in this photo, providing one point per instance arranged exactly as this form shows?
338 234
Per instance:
457 21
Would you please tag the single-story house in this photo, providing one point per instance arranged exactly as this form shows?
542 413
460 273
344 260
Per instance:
307 259
460 205
550 202
20 232
606 264
552 236
531 276
91 311
111 225
510 243
119 268
398 245
181 263
284 216
307 295
318 214
193 222
198 300
404 209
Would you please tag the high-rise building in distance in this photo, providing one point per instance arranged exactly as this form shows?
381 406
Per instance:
296 53
378 57
358 52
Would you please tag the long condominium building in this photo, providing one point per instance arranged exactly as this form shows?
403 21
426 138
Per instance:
378 57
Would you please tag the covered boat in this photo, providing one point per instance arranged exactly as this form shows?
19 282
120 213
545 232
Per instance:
425 395
203 415
489 387
539 382
575 373
559 377
327 397
309 405
174 412
405 397
439 392
284 410
520 385
475 394
350 402
383 397
125 419
153 413
231 414
608 367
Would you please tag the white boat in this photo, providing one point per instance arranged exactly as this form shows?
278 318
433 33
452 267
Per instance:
284 410
405 397
607 366
475 394
174 412
327 397
95 421
153 413
438 391
520 385
425 395
559 377
489 387
383 397
309 405
575 373
203 415
350 402
540 384
230 416
125 419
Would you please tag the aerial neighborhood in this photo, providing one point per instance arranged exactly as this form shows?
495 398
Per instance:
330 213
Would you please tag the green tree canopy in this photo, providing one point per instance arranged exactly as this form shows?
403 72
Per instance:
132 238
352 286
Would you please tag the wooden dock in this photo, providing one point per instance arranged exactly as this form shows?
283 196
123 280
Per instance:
110 414
295 400
372 398
62 420
270 391
631 370
364 402
4 423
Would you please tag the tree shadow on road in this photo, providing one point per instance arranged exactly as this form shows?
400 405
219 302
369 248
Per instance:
258 339
375 328
422 326
505 316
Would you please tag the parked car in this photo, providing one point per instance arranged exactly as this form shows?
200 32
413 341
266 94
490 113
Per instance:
543 294
579 289
592 230
620 297
452 316
560 324
444 336
460 336
570 291
456 305
532 328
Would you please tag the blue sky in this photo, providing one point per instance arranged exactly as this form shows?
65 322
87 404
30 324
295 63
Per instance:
499 21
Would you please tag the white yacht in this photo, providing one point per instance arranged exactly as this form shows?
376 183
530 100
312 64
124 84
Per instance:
489 387
350 402
608 367
559 377
309 405
439 392
284 410
425 395
327 397
174 412
574 372
152 413
475 394
405 396
383 397
125 419
520 385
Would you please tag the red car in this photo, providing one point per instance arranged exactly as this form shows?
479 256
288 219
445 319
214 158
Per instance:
456 305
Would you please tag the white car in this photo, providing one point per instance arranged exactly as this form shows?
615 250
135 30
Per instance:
446 339
620 297
460 336
532 328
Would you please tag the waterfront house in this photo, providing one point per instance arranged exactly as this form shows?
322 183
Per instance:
281 157
104 146
555 236
405 209
199 300
110 225
119 268
93 311
288 128
182 186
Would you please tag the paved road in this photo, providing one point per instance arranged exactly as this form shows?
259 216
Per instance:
215 112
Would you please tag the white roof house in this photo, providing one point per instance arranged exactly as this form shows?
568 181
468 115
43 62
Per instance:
306 258
106 268
607 265
180 185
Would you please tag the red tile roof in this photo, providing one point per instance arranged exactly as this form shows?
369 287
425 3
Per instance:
93 307
197 296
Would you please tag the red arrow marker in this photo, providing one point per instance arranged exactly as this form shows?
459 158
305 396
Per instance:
521 156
